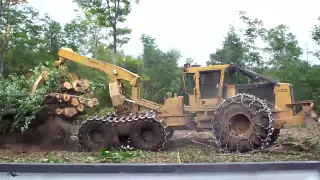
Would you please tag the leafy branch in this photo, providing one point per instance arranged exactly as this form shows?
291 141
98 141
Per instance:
17 101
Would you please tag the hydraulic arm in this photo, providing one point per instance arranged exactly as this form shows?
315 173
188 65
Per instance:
148 130
114 73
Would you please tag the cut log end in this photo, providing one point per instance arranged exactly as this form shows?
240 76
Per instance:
74 101
59 111
90 103
66 97
96 102
67 85
80 107
69 111
80 85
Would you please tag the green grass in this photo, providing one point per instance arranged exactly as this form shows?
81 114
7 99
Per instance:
184 155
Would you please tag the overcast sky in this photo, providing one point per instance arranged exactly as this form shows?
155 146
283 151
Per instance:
197 28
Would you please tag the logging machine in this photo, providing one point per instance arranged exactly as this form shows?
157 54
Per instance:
242 117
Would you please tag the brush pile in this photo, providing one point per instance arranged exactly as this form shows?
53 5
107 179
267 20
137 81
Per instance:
58 96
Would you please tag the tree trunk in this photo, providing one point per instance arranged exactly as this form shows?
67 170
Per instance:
3 46
115 44
2 63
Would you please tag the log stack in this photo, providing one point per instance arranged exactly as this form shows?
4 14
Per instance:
71 99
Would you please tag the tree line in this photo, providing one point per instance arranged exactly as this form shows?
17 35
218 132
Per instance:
99 30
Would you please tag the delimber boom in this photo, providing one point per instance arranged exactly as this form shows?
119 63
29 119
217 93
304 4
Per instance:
116 74
127 121
242 117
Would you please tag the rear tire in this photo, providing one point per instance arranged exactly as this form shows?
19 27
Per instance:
243 123
95 134
148 134
274 137
171 131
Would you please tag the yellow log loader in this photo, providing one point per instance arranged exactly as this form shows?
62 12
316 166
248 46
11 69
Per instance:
242 117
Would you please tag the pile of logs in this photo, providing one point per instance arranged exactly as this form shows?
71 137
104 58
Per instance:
71 99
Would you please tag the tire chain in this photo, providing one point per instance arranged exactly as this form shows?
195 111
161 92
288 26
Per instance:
270 128
114 119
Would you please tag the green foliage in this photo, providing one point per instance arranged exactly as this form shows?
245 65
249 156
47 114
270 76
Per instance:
16 97
10 17
252 32
117 156
315 35
241 52
54 159
190 61
156 63
110 15
233 50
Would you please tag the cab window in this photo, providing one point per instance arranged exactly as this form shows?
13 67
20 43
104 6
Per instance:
189 83
209 83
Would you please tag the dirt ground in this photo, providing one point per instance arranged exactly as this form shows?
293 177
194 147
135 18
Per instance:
294 144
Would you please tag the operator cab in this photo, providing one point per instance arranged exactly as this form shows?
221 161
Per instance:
206 86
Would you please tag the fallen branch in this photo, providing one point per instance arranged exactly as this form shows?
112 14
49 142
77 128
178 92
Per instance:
233 154
197 142
178 156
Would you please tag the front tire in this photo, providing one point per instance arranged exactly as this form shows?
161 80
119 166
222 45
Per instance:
243 123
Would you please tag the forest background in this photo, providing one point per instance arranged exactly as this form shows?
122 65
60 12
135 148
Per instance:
29 40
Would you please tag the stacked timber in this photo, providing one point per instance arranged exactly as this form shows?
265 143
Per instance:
71 99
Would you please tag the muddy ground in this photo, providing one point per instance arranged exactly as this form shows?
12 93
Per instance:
294 144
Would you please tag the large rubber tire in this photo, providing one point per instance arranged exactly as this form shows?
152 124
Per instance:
156 131
170 133
103 128
274 137
243 123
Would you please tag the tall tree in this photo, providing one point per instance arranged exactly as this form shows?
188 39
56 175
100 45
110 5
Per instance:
24 41
7 11
232 51
316 37
157 62
110 14
84 34
282 46
190 60
252 32
286 62
53 37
